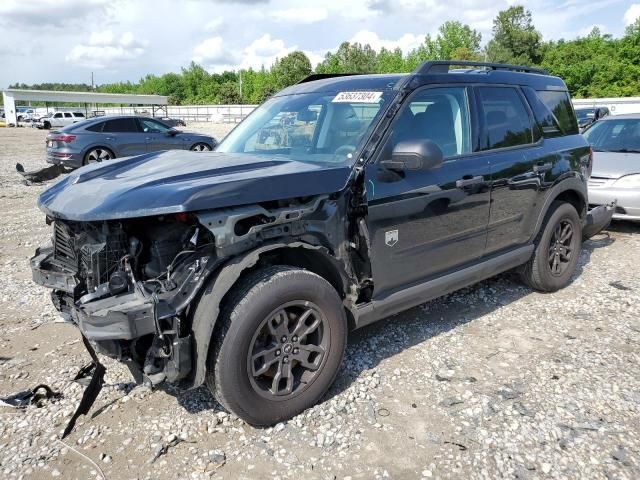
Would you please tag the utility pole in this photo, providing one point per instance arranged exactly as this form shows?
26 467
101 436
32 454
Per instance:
92 87
241 85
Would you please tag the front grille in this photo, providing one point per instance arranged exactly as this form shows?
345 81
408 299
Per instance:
598 182
64 249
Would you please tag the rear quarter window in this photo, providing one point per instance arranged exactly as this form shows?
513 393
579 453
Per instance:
559 104
96 128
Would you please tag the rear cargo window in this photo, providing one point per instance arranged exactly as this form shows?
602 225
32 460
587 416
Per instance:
559 104
506 119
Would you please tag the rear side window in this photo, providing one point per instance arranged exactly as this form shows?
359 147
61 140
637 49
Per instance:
121 125
96 128
507 122
79 115
68 115
559 104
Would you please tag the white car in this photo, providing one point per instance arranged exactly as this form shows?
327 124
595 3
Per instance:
59 119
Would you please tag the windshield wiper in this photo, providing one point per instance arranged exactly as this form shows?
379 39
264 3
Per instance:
626 150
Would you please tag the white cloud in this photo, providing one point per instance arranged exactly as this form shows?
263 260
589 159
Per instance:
212 51
44 13
104 49
300 15
632 13
264 51
406 42
583 32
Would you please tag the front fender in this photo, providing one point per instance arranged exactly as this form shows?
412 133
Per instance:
207 310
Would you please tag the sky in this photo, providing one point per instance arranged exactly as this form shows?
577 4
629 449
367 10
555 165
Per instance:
120 40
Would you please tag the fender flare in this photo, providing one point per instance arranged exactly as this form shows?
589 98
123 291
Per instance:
206 314
574 184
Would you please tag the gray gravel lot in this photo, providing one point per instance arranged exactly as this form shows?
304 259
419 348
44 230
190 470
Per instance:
494 381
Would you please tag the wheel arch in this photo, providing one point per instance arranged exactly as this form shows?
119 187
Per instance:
297 254
571 190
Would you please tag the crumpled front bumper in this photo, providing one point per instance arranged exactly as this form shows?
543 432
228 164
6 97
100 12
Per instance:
120 317
598 218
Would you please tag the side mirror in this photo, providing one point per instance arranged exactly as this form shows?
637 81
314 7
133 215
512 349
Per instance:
414 155
172 132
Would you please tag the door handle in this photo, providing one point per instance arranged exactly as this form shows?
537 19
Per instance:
109 138
466 182
148 138
542 167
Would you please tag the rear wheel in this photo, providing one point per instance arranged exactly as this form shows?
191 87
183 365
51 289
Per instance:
279 347
557 250
98 154
201 147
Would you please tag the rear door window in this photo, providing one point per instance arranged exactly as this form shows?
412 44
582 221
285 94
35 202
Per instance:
68 115
506 119
121 125
96 128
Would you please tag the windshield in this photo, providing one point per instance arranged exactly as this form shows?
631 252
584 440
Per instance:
621 135
313 127
585 113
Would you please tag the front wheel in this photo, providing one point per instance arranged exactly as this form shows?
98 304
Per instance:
557 250
201 147
279 346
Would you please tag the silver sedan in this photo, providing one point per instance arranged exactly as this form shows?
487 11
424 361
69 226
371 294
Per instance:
616 164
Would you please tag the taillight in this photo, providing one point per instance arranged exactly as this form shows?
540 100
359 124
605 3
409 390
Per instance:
65 138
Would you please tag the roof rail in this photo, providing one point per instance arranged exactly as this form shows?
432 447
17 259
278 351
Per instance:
320 76
442 66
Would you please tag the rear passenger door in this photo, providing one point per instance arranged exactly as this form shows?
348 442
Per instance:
508 139
125 136
423 223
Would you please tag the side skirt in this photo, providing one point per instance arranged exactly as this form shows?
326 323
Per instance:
417 294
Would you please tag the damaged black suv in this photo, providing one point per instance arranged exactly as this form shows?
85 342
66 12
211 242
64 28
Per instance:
339 201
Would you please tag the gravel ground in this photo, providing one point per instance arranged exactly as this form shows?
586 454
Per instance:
494 381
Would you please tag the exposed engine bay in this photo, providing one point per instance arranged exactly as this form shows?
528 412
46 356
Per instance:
129 284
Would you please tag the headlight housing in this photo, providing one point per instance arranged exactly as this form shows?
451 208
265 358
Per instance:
628 181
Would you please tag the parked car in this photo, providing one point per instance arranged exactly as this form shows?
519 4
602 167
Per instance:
59 119
588 115
105 138
172 122
25 114
338 202
616 164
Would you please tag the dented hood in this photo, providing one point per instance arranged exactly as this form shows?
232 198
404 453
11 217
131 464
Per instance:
178 181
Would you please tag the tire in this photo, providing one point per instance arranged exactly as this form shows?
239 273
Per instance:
46 125
201 147
554 260
243 379
98 154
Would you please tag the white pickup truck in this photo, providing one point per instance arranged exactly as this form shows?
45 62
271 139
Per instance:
59 119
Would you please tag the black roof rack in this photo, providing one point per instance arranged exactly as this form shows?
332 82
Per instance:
442 66
320 76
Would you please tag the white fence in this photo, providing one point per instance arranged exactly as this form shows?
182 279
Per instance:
617 106
190 113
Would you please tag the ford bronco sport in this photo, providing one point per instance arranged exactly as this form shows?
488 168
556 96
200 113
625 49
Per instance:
339 201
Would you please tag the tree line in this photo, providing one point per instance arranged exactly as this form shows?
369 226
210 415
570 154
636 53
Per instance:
597 65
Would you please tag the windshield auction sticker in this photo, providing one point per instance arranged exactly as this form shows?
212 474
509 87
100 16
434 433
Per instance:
357 97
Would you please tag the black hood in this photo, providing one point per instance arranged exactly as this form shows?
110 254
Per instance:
178 181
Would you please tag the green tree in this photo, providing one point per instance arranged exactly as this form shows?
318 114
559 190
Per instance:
291 69
515 39
350 58
454 41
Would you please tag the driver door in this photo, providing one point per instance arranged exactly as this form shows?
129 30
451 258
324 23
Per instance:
424 223
157 137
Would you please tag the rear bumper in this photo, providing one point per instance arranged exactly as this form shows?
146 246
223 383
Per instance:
597 219
65 158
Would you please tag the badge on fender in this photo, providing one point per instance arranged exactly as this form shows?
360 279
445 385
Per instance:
391 237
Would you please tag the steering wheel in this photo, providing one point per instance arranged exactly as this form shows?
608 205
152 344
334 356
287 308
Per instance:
343 151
